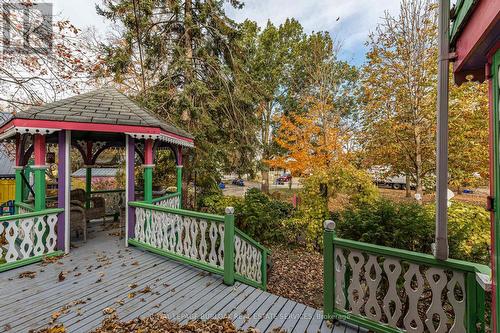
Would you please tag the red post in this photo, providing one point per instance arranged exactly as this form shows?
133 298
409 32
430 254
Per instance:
179 155
39 150
39 171
148 152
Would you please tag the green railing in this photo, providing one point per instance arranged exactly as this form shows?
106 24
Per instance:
250 261
171 200
27 238
22 207
393 290
206 241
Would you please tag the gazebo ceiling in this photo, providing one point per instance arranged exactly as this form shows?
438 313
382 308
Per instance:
103 110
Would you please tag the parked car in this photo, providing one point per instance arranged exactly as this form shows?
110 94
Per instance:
238 182
283 179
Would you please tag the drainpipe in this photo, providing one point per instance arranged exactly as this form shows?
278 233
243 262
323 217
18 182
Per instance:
441 245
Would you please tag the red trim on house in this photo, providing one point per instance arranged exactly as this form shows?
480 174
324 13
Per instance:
148 152
39 149
484 17
92 127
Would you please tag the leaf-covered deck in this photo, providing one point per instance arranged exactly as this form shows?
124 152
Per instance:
103 276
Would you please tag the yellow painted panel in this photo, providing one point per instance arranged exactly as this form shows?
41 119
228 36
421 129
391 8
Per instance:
7 190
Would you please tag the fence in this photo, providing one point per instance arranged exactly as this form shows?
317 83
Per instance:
27 238
209 242
392 290
172 200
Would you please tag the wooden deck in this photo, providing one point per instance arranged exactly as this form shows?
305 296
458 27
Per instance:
102 273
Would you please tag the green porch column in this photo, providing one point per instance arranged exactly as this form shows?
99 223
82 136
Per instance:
39 172
148 183
88 185
179 179
148 171
229 246
40 195
328 270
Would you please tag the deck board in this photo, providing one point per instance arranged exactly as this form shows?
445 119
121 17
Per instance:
103 272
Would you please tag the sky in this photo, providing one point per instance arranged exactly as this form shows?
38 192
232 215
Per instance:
349 21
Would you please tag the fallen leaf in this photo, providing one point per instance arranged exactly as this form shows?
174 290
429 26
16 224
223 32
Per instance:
145 290
27 274
108 311
55 315
62 276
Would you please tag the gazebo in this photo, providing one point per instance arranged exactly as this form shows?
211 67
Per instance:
92 123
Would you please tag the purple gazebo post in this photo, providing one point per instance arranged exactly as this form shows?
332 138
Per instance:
130 188
63 188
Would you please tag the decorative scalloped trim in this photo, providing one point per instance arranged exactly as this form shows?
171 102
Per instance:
162 137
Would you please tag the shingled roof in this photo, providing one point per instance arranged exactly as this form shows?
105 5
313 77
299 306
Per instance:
101 106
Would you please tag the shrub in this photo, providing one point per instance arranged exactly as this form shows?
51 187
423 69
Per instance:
306 226
256 214
411 227
407 226
217 203
468 232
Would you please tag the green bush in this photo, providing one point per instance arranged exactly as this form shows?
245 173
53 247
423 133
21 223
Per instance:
400 225
306 226
411 227
468 232
256 214
217 203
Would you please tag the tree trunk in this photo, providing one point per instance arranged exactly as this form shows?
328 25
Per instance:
265 181
266 123
408 186
188 46
188 43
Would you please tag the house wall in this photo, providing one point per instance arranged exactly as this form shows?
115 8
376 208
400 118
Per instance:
474 42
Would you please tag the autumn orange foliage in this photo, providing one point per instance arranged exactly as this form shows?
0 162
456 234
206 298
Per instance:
313 141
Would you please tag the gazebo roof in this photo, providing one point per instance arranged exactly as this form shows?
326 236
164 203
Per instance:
101 110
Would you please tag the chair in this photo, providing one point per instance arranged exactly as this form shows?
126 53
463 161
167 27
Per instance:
97 208
78 220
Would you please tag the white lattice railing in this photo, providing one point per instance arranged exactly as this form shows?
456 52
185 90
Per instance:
28 235
172 200
201 240
392 290
194 237
248 256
